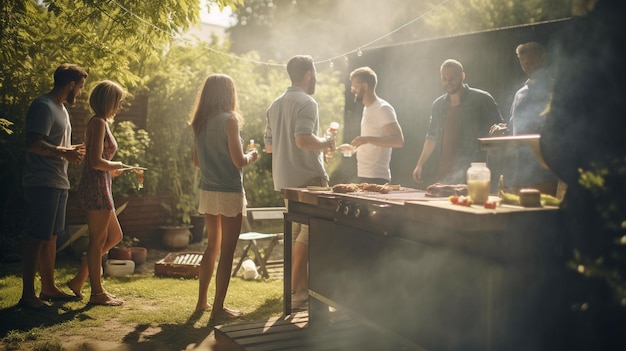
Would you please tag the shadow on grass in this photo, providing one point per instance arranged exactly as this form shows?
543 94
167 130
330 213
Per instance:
15 318
187 336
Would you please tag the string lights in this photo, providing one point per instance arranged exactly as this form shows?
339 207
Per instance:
358 51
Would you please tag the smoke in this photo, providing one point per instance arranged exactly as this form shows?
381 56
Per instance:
323 29
434 288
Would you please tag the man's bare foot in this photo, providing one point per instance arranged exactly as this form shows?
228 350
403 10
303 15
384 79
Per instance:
225 313
55 294
32 304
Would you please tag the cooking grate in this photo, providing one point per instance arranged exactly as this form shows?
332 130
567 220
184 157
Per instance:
400 196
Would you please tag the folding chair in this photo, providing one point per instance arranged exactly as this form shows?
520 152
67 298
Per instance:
253 239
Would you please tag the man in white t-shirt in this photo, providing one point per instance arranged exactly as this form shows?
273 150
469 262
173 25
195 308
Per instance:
380 131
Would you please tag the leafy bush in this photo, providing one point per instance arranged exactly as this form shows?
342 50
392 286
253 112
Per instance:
133 146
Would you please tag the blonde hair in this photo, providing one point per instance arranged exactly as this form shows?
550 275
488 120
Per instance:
105 98
217 95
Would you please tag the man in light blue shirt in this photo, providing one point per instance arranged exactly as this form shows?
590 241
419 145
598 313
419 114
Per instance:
297 154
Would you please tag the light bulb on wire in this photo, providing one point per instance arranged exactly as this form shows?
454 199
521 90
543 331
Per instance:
359 53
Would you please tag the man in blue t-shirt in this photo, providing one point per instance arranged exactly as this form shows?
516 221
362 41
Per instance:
46 185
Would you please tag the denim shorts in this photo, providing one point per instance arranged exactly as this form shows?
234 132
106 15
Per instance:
46 211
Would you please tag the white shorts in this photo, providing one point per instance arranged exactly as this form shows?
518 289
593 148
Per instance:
300 233
222 203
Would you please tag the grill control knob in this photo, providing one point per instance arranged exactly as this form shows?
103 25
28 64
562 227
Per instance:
346 209
357 211
380 212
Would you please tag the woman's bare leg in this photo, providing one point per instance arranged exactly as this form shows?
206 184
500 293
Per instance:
76 283
231 227
207 265
112 238
104 233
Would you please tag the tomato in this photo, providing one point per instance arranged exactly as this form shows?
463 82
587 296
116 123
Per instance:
490 204
465 201
454 199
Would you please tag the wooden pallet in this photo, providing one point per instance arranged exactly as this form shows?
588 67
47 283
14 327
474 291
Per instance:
293 333
179 265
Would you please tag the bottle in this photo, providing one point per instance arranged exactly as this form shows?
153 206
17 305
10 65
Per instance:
140 180
251 146
501 185
331 135
478 182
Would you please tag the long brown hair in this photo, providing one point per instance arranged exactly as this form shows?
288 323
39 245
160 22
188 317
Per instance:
218 95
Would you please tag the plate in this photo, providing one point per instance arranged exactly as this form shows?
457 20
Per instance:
126 168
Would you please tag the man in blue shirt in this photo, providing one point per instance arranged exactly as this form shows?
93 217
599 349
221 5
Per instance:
45 182
297 155
527 116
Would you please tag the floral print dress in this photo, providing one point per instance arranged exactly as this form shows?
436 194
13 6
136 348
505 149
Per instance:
94 189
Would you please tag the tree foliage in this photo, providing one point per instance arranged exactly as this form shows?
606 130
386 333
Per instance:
110 39
457 17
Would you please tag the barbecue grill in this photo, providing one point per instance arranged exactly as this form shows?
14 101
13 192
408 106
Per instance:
425 273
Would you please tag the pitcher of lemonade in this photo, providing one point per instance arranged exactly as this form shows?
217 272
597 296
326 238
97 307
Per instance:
478 182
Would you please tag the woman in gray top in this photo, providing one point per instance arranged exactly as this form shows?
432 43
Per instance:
219 154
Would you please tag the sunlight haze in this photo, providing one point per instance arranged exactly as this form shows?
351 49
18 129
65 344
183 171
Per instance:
215 16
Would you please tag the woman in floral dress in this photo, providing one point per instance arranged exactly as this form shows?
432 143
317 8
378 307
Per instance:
94 191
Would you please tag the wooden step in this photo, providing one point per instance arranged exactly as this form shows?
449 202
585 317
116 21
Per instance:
293 333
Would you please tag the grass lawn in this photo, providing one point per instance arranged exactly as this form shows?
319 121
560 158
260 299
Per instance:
158 313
